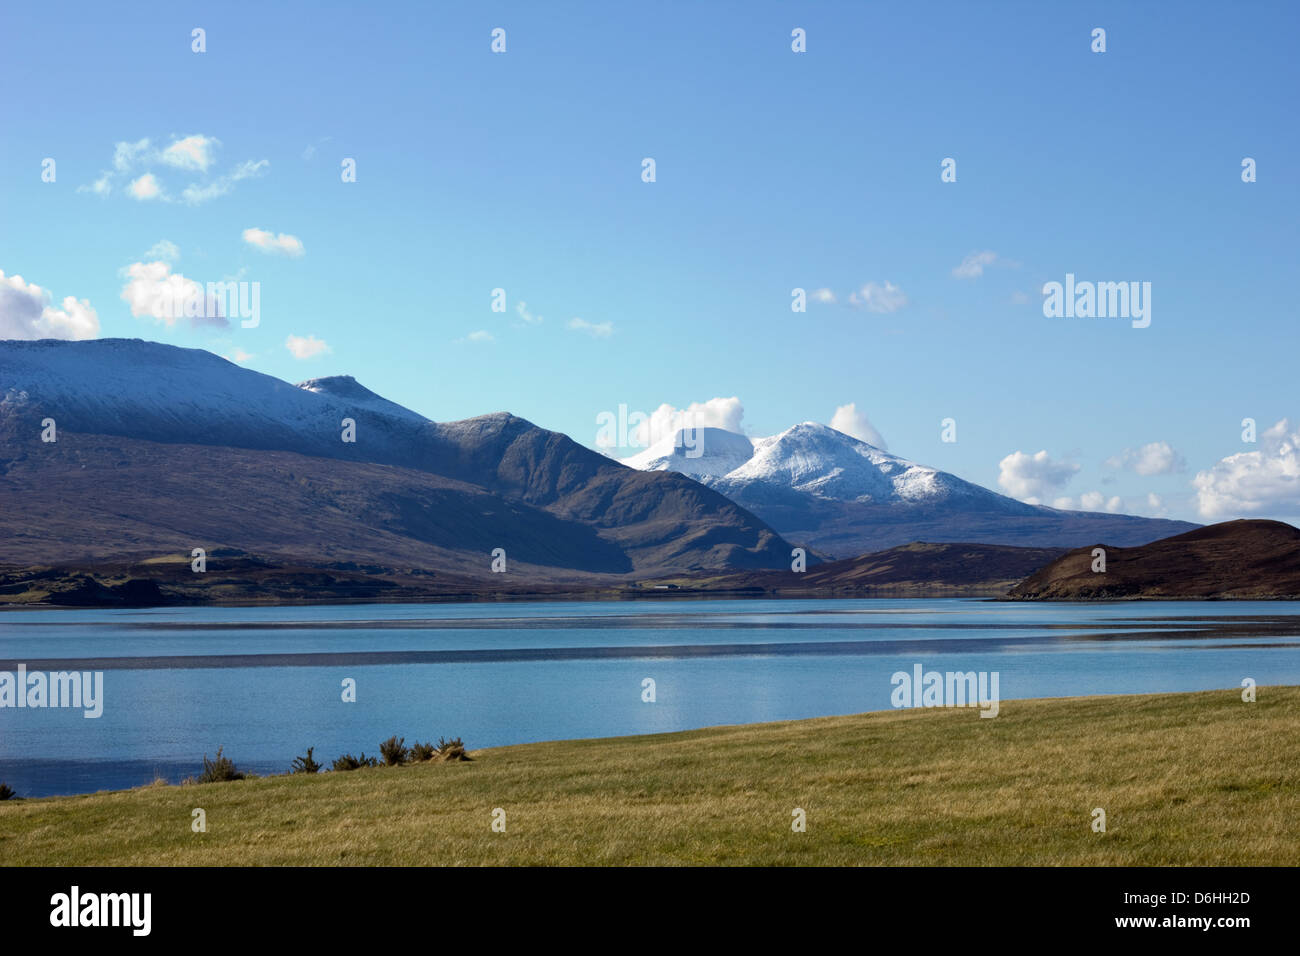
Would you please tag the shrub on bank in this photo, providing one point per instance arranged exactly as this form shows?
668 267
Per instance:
454 749
305 764
220 769
422 752
394 751
349 762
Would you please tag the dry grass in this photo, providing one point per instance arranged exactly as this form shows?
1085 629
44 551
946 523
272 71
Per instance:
1184 779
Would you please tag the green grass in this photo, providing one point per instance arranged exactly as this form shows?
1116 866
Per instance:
1184 779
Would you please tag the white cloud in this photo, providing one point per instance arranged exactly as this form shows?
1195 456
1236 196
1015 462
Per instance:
239 356
597 330
1156 458
305 347
152 289
824 296
310 152
194 154
196 194
850 421
146 187
1096 501
1035 476
100 187
270 242
1264 481
1065 503
164 250
191 152
126 155
521 309
667 420
26 312
879 297
972 267
482 336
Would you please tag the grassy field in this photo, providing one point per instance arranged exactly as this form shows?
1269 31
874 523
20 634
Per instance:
1184 779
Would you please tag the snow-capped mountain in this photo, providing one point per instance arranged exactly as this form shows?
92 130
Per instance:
158 445
136 388
700 453
832 492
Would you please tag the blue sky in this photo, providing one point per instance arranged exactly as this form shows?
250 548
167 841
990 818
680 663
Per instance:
774 170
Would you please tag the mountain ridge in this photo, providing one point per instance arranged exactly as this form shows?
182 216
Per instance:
144 400
837 494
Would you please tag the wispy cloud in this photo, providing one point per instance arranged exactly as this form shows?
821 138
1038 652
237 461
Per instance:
165 250
597 330
196 194
972 267
191 152
135 168
269 242
879 297
521 309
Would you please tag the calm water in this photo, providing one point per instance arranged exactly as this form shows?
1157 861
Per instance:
265 683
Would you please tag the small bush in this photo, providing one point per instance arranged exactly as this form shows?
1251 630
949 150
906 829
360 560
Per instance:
349 762
453 749
6 792
305 764
219 770
394 751
422 752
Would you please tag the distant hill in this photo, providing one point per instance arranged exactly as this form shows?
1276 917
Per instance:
917 569
1234 559
825 490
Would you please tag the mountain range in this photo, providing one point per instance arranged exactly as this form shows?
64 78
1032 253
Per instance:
828 491
159 450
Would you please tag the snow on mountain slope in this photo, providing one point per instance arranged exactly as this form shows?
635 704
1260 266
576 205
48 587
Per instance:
699 452
821 461
809 458
348 389
163 395
130 387
819 487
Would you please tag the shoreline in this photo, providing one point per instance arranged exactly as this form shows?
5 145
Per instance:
681 594
1004 701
